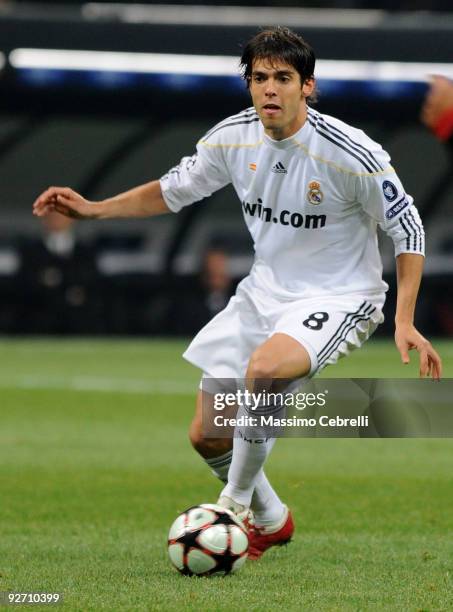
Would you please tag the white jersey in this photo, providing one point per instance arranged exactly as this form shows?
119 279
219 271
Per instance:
312 202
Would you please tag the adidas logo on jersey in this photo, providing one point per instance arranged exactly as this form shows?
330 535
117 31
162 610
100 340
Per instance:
279 168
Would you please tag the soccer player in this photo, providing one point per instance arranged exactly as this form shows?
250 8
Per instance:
313 191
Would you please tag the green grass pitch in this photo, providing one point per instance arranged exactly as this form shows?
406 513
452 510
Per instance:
95 465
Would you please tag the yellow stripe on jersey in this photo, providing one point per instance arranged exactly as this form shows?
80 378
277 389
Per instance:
208 144
328 162
318 158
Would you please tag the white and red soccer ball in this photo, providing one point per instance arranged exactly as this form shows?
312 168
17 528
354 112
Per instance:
206 540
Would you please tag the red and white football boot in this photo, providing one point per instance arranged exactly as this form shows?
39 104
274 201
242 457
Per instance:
262 538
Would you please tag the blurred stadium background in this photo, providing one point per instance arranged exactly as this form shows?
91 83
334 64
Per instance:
104 96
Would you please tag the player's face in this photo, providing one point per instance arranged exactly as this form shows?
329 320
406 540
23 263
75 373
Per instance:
279 97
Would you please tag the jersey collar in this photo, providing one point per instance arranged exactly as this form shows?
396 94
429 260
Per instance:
290 142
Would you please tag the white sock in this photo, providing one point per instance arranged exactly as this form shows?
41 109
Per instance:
248 459
266 504
250 451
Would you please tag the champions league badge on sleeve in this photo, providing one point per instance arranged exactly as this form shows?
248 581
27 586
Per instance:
397 208
314 193
390 191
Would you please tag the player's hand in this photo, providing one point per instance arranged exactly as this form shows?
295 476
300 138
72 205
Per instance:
65 201
438 100
408 338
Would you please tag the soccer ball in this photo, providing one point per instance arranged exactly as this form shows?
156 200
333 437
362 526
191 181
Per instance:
206 540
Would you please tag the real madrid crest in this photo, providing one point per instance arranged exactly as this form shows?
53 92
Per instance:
314 193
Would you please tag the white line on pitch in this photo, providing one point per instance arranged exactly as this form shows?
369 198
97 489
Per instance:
103 385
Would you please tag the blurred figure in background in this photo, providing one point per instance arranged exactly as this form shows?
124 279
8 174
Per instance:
206 297
59 281
58 236
437 115
437 110
215 281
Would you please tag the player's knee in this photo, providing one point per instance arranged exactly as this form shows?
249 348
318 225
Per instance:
262 365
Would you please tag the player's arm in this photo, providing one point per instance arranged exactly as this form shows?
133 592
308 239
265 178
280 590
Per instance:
384 199
193 179
409 268
142 201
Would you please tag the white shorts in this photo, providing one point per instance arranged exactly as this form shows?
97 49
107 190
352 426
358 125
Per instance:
328 328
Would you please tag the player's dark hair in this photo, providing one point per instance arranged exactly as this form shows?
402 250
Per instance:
279 44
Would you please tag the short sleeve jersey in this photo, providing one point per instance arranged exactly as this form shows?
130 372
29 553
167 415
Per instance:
312 202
